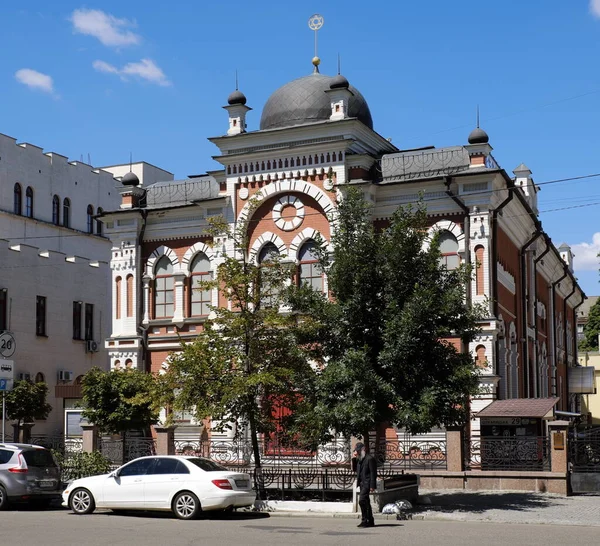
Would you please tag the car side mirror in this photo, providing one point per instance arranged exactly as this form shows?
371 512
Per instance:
114 474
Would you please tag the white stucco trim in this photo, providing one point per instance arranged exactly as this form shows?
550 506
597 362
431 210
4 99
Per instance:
298 241
159 253
452 227
286 186
268 237
190 254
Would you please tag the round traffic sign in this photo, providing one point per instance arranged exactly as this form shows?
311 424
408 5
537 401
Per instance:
7 345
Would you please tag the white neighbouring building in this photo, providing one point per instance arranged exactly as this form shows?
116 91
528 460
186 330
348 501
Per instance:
54 271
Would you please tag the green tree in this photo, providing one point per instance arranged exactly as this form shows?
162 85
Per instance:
27 402
119 401
384 334
245 362
591 329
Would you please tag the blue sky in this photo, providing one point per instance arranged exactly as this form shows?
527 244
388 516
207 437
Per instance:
112 77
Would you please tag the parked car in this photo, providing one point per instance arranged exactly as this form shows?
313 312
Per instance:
185 485
28 473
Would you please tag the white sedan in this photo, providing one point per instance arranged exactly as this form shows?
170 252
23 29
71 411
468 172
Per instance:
185 485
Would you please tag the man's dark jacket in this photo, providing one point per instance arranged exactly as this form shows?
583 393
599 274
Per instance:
366 472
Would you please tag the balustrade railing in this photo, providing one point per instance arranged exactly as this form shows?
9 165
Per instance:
526 453
121 451
65 446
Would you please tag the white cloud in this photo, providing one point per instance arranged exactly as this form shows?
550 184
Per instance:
595 8
146 69
586 254
110 30
35 80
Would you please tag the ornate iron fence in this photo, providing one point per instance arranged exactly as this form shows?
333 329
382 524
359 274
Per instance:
65 446
584 452
531 453
121 451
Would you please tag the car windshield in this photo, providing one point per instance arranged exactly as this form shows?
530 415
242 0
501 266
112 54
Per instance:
207 465
38 457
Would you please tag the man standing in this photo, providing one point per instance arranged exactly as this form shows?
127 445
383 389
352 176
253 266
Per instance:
366 473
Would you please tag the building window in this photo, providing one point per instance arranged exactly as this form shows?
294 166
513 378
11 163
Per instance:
309 271
77 308
479 286
67 212
29 202
3 309
90 219
129 282
118 297
40 315
448 250
98 222
480 358
163 289
56 210
89 321
39 378
268 295
18 200
200 299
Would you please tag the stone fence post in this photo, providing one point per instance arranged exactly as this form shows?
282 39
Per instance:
558 445
165 440
90 438
455 449
22 434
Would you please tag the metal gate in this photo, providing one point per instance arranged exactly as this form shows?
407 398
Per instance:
584 461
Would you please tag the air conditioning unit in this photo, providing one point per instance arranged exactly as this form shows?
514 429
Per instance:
91 346
23 376
65 375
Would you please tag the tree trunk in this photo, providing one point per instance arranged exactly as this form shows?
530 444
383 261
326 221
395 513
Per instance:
258 482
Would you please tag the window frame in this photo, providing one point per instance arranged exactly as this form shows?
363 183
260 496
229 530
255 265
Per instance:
66 221
99 224
90 219
29 202
3 309
159 279
41 310
313 264
196 296
56 210
77 314
445 255
88 322
18 199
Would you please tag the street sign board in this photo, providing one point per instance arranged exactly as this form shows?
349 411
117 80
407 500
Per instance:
7 345
6 374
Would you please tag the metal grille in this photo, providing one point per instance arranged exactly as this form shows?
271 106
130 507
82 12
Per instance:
514 453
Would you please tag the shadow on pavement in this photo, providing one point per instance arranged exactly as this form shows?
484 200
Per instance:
483 501
228 516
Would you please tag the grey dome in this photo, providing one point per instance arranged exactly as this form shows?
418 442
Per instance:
237 97
130 179
478 136
339 82
305 101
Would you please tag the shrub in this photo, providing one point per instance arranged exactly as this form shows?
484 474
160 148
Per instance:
81 465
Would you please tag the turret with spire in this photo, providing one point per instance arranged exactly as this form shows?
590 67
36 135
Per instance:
237 109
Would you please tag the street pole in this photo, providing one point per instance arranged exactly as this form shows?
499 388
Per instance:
3 412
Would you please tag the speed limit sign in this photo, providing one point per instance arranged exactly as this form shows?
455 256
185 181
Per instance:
7 345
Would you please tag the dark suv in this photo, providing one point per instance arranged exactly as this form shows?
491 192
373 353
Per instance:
28 473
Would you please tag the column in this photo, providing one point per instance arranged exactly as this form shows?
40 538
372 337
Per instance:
179 282
165 440
454 449
146 280
90 438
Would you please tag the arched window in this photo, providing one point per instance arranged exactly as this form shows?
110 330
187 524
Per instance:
164 303
479 279
128 363
480 358
309 271
129 282
118 288
29 202
200 298
502 362
90 219
18 200
56 210
39 377
98 222
117 365
67 212
448 250
268 293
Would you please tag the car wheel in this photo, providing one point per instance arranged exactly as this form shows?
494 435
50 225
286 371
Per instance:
3 498
186 505
82 501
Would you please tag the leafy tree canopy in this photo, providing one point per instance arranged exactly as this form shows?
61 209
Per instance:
591 329
27 401
384 335
119 401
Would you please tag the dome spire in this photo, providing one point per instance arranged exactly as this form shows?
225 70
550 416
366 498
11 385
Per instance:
315 22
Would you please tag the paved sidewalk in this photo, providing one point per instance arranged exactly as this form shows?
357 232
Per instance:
492 506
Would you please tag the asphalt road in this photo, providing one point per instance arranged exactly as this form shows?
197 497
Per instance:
60 527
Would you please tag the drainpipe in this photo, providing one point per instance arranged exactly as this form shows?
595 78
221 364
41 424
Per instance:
466 229
565 338
525 311
143 331
553 345
574 334
536 261
494 266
